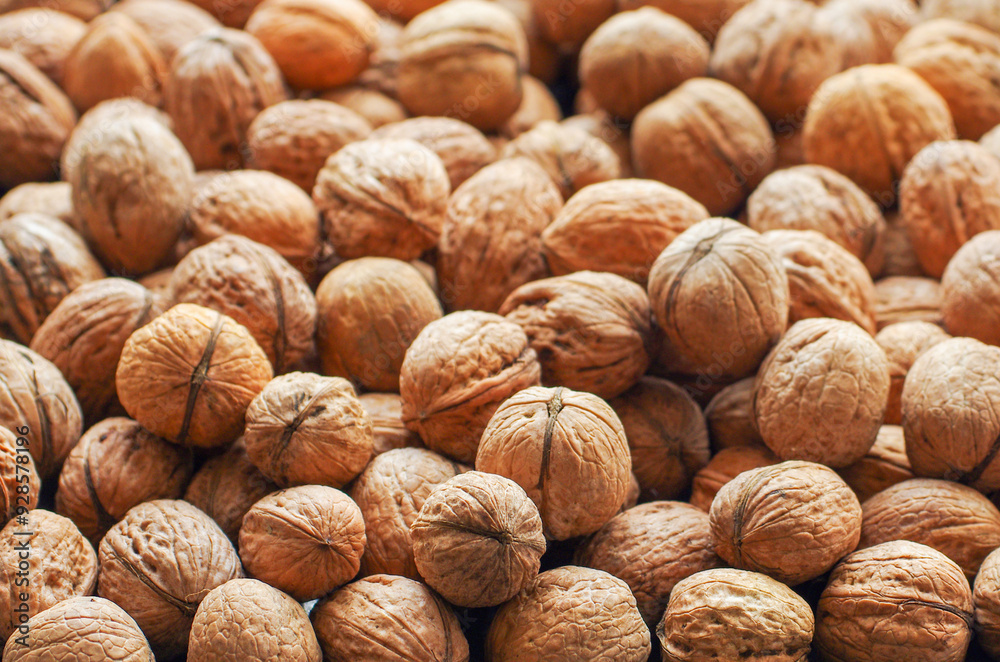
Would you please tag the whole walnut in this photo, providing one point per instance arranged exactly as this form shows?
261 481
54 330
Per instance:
706 139
986 601
304 429
729 614
724 466
729 416
170 24
569 452
189 375
903 343
450 53
885 465
42 260
49 198
812 197
305 541
247 619
908 299
386 413
611 130
384 618
876 594
45 48
705 16
35 120
158 563
370 312
620 226
538 105
826 379
592 331
218 83
869 121
116 466
569 614
82 628
651 547
969 290
36 396
17 468
720 294
85 334
375 107
792 521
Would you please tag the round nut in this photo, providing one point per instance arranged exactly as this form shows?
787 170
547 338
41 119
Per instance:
375 107
386 413
903 343
906 299
724 466
885 465
170 24
51 198
970 291
16 468
45 48
986 601
729 416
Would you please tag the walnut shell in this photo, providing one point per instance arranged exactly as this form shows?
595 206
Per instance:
377 108
570 25
189 375
83 9
903 343
567 449
885 465
826 379
45 48
17 470
908 299
569 614
980 12
877 593
724 466
538 105
232 13
970 292
170 24
50 198
304 540
158 563
991 141
386 413
388 619
729 416
705 16
986 600
900 258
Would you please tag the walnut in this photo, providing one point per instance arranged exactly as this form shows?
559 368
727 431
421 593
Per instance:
875 594
386 413
304 540
903 343
706 16
247 619
45 48
729 416
383 64
538 105
50 198
189 375
619 226
970 291
17 468
986 599
231 13
543 56
36 396
304 429
383 617
159 563
724 466
35 120
728 614
900 258
370 311
707 139
449 53
885 465
569 614
991 141
812 197
569 25
826 379
908 299
170 24
85 10
377 108
612 131
42 260
980 12
720 295
868 122
218 83
567 449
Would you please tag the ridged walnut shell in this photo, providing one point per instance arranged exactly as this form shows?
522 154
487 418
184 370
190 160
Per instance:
538 104
724 466
908 298
170 24
986 600
970 290
377 108
883 466
729 415
49 198
45 48
980 12
17 469
903 343
386 413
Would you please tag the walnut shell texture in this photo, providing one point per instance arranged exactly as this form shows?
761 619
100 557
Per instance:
170 24
377 108
903 343
970 291
986 600
885 465
908 298
729 416
724 466
49 198
16 468
386 413
46 49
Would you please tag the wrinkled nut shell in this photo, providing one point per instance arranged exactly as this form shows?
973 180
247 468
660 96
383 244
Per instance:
908 298
885 465
386 413
46 49
903 343
970 290
729 415
14 447
724 466
986 599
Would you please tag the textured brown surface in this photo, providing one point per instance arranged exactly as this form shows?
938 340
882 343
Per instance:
729 416
903 343
572 25
908 298
538 104
980 12
15 472
46 49
386 413
705 16
724 466
883 466
170 24
971 293
986 599
49 198
376 107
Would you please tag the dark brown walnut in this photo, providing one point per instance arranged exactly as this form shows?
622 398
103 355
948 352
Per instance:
868 122
824 279
232 14
949 399
36 396
706 139
903 343
294 138
885 465
305 541
569 25
36 120
592 331
390 493
42 260
457 372
370 311
45 48
636 57
949 193
190 374
652 547
85 334
218 83
826 379
729 416
792 521
724 466
383 618
720 294
114 58
478 540
16 468
386 413
908 299
970 290
247 619
83 628
159 563
538 105
875 594
667 437
304 429
729 614
569 614
986 600
619 226
382 198
170 24
376 107
82 9
49 198
450 51
569 452
812 197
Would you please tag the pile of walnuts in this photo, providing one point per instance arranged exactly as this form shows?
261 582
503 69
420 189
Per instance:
500 330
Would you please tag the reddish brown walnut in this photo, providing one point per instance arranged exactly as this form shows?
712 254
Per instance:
49 198
986 599
724 466
903 343
386 413
970 290
885 465
729 416
46 49
16 468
